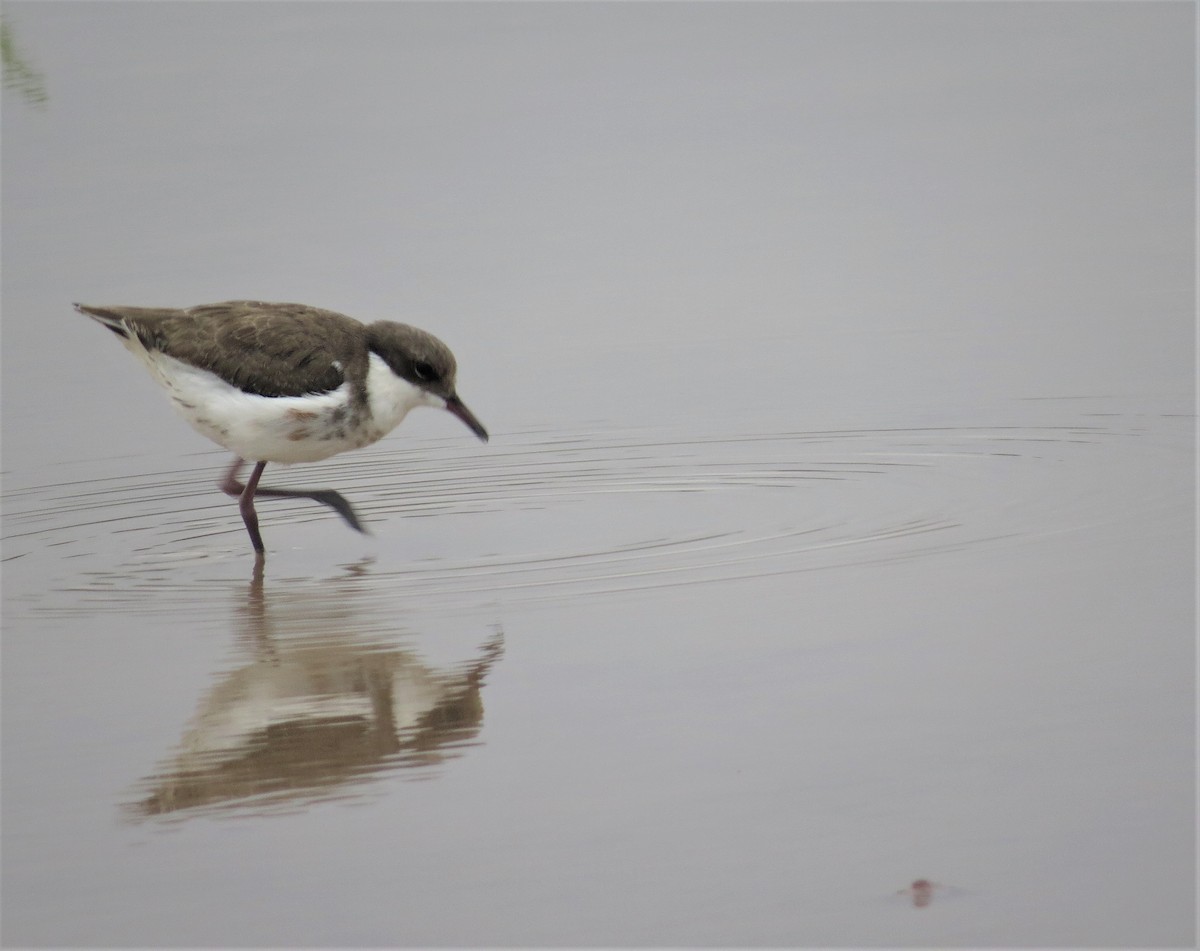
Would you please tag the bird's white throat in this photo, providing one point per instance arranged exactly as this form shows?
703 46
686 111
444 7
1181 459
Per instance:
390 397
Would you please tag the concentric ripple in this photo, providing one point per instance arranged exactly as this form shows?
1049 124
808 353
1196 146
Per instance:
539 515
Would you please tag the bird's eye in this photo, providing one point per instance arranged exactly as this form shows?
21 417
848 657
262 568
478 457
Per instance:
424 371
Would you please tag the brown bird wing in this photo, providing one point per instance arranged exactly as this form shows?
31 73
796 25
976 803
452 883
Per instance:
261 348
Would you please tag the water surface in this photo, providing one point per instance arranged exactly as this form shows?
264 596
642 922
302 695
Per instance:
828 579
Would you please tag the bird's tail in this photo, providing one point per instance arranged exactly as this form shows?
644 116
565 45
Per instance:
111 319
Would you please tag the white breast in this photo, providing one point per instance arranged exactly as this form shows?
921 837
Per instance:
288 428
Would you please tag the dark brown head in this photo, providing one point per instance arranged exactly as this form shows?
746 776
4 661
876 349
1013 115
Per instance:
425 362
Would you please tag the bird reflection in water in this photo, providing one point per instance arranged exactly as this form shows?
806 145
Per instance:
314 714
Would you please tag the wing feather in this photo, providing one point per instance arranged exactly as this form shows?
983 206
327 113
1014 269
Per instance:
261 348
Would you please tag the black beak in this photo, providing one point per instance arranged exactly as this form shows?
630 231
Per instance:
459 409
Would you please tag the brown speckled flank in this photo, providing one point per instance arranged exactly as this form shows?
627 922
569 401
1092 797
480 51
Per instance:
287 383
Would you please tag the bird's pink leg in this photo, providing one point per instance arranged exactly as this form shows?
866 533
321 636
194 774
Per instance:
246 493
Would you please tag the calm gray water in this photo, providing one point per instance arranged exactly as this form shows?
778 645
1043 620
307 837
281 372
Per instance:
829 579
